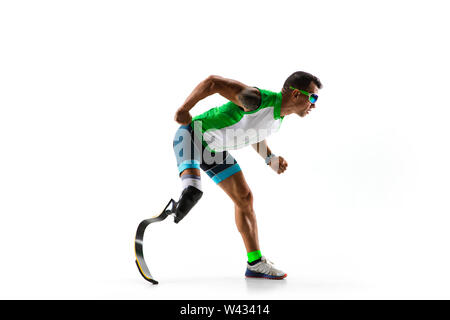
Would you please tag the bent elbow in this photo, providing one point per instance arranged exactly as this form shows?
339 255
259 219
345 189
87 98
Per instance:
211 82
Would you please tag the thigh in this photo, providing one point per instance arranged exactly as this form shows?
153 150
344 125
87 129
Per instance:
236 187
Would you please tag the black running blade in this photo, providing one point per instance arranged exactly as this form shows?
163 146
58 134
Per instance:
139 243
146 277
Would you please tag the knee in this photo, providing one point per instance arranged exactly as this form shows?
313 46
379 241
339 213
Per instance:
244 199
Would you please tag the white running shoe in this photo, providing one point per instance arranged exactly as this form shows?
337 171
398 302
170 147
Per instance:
264 269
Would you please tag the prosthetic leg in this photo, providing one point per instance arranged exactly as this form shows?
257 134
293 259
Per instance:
189 197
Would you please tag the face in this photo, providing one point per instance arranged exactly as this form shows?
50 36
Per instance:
301 102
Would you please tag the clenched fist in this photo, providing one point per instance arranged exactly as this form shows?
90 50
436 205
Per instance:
183 117
278 164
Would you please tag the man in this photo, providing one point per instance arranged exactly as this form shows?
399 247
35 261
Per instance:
247 119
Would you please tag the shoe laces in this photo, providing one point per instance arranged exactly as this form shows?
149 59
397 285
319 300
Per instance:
268 265
268 261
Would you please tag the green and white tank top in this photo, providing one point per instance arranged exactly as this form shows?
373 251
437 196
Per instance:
229 127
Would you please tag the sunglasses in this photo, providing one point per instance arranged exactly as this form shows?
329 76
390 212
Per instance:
312 96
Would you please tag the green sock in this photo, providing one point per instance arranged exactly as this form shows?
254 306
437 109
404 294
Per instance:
254 255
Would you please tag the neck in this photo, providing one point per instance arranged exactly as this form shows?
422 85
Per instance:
286 106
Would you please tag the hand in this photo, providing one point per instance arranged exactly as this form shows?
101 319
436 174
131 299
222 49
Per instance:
183 117
278 164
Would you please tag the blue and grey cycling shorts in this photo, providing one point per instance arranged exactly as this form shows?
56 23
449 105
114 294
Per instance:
190 153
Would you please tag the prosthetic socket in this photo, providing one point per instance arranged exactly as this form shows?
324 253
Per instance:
189 197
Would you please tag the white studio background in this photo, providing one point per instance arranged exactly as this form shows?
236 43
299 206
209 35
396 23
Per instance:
88 91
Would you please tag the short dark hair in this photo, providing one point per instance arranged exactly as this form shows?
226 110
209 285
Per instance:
301 80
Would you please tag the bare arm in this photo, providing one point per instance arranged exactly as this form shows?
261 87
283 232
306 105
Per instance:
277 163
201 91
244 96
262 148
248 98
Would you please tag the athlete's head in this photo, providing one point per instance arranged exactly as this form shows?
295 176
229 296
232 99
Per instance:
300 93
